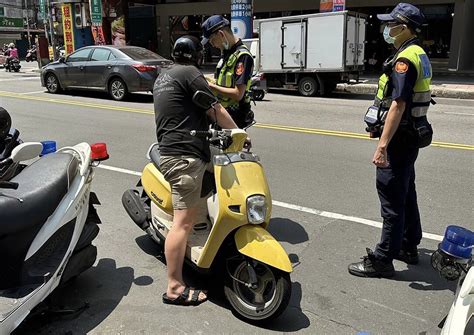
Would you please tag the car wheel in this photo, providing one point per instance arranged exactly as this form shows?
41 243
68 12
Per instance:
52 83
308 87
117 89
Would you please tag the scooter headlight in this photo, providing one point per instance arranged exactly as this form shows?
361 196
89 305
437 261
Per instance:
256 209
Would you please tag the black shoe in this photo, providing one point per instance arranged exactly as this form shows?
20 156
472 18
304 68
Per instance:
371 267
409 257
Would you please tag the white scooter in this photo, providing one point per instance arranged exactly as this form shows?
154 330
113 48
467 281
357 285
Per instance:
47 225
453 260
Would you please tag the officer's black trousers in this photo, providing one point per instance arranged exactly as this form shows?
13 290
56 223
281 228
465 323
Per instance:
399 207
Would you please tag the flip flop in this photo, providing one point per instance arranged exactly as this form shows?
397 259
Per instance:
184 300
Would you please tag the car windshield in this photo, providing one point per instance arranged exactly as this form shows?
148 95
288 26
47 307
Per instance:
141 54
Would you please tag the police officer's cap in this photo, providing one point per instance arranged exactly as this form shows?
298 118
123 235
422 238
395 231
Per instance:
405 13
211 25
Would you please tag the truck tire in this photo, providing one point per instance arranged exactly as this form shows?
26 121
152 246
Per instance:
308 87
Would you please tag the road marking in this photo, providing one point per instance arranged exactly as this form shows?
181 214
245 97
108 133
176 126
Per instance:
258 125
394 310
456 113
116 169
308 210
34 92
22 78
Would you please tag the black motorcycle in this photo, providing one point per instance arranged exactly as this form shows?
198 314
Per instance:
31 54
12 64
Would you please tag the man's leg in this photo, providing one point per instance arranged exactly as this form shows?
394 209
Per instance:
185 177
175 249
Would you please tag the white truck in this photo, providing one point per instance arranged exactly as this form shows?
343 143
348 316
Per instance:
311 53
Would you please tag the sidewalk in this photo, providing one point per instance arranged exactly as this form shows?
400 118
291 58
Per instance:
452 86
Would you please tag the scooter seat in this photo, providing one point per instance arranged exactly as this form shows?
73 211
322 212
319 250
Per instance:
42 185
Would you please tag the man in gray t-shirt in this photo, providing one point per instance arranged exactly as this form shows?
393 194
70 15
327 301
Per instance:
183 157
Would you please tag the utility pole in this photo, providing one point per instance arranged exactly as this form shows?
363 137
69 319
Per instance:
51 29
28 24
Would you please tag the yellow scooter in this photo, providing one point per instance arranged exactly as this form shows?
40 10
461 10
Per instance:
233 235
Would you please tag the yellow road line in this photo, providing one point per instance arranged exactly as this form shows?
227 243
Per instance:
258 125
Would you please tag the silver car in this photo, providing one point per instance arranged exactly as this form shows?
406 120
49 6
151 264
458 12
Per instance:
116 70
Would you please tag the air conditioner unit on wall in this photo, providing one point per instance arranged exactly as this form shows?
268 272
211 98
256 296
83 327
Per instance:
81 15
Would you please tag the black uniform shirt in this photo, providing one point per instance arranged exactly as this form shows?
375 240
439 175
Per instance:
176 114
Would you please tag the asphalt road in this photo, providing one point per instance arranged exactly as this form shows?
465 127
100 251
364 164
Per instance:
318 163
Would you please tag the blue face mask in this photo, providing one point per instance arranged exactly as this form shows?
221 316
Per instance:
386 35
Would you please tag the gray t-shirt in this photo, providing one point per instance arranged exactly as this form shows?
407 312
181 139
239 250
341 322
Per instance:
176 114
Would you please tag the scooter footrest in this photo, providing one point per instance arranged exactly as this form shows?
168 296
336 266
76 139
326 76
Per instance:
134 206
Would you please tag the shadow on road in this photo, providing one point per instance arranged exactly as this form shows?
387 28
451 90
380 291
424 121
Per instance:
286 230
423 277
82 304
292 320
132 97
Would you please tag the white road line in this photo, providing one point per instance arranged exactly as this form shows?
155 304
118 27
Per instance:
394 310
16 79
116 169
457 113
308 210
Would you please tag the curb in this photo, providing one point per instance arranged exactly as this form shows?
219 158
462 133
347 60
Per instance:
436 91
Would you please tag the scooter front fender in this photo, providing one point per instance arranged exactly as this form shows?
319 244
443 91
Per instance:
257 243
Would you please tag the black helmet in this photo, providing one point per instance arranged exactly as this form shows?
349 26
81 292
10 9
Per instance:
188 49
5 123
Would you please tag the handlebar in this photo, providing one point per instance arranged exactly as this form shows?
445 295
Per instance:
201 133
8 184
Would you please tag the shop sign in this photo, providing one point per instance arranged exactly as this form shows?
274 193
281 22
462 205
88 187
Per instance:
325 6
42 9
68 28
241 18
339 5
11 22
96 12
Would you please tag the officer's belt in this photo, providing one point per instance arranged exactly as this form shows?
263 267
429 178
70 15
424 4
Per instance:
419 107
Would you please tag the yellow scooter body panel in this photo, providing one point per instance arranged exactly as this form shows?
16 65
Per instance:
235 182
157 188
257 243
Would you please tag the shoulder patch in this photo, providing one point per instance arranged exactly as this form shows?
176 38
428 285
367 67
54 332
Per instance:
401 67
239 69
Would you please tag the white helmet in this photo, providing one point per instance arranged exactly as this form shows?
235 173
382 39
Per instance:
11 45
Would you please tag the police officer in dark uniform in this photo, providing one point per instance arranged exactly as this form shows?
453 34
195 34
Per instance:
234 71
398 117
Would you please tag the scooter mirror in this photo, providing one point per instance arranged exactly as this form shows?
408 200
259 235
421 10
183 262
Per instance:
204 100
26 151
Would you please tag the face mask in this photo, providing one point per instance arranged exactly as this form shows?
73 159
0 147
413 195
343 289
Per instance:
386 35
226 44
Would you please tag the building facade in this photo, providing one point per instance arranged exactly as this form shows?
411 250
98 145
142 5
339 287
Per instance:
448 38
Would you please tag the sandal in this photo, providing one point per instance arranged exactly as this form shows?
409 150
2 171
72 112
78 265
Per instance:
184 300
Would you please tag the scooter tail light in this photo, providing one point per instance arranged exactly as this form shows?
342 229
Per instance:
99 152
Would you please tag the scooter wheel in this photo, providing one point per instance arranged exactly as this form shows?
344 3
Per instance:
258 95
263 303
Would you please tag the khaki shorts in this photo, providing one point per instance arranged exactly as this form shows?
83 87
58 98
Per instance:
184 173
